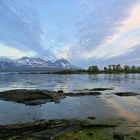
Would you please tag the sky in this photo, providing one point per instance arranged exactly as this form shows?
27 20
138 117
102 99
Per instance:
86 32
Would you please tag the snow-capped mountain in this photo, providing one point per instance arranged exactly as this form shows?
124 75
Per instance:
62 63
33 64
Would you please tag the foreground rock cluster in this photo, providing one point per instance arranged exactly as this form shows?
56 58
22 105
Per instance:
38 129
46 129
71 130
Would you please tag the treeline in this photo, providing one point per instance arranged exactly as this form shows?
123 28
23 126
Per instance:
114 69
71 72
95 69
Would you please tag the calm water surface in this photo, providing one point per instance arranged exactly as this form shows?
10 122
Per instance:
104 106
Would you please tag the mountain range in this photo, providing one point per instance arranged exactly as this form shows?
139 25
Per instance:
33 64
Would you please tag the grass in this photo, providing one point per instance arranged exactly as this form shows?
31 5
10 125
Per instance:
98 133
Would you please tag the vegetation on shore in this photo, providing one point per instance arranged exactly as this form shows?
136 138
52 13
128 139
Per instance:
93 70
107 70
119 69
71 72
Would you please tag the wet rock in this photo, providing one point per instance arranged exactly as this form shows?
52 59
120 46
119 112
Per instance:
39 129
30 97
98 125
92 117
60 91
51 133
126 94
90 134
83 94
94 89
119 136
46 129
102 89
38 97
133 138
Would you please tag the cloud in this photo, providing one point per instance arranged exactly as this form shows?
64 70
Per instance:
12 52
111 30
127 36
131 58
83 31
20 28
102 22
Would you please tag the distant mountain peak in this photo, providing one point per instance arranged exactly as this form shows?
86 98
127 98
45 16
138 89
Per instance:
34 64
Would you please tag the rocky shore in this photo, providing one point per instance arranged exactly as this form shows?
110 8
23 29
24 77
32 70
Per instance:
30 97
66 129
70 129
38 97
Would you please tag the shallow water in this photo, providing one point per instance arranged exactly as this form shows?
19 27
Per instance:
102 107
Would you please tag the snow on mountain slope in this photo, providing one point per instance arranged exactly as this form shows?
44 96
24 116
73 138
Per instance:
34 62
63 63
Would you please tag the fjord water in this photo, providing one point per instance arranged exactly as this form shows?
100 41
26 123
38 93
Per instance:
102 107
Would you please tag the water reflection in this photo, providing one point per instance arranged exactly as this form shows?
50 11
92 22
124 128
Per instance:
76 107
69 108
127 107
69 82
13 112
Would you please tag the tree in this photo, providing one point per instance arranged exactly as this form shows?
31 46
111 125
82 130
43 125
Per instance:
109 67
118 67
105 68
133 68
126 68
93 69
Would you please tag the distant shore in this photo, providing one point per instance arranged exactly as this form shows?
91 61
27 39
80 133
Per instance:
75 72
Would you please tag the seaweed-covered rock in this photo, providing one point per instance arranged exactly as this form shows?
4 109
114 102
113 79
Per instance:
83 94
60 91
126 94
93 90
119 136
30 97
102 89
46 129
37 97
39 129
91 117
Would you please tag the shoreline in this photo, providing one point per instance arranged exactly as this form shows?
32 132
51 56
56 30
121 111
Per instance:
37 97
110 129
71 129
69 72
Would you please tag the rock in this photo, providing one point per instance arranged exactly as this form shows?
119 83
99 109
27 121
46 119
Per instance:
83 94
60 91
98 125
46 129
126 94
39 129
38 97
94 89
90 134
92 117
30 97
118 136
102 89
